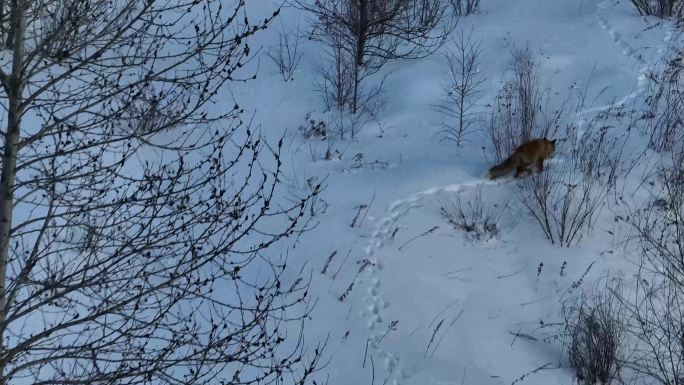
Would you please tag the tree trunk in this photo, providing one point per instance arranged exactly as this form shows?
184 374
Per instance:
360 44
15 85
355 98
362 31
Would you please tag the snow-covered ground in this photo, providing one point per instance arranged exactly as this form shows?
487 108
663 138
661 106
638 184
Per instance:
402 296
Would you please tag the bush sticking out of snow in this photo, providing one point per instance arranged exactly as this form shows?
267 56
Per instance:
286 55
596 333
656 308
664 113
659 8
568 196
313 128
479 220
518 115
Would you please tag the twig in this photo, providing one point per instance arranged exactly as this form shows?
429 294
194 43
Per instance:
364 264
391 326
418 236
334 276
367 209
577 283
446 331
521 335
434 332
449 275
534 301
414 331
543 367
327 262
510 275
365 353
342 264
458 271
390 241
358 212
452 303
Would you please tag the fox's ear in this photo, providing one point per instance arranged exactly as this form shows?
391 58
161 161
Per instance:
553 141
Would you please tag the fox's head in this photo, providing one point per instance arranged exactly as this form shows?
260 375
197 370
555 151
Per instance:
552 150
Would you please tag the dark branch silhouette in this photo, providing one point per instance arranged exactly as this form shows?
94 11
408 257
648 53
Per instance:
137 213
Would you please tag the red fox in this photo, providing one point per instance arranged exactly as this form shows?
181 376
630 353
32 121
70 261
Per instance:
533 151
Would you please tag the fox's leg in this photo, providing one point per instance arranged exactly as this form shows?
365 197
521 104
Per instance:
540 165
523 167
518 171
521 170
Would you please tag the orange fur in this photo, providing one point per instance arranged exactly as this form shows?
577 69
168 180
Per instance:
531 152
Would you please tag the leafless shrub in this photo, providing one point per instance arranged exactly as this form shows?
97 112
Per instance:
286 55
465 7
338 78
664 113
314 128
657 304
359 162
503 130
318 138
324 133
659 8
478 219
568 196
656 313
657 308
364 35
340 84
596 332
463 88
347 125
514 116
528 94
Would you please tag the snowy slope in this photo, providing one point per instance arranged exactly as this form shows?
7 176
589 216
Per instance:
404 285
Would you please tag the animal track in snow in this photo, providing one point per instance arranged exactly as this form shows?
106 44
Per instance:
373 313
627 49
375 307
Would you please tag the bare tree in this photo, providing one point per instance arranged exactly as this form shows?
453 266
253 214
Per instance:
136 215
286 56
340 80
463 88
371 32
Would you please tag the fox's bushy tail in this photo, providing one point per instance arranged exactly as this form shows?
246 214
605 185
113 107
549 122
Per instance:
502 168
